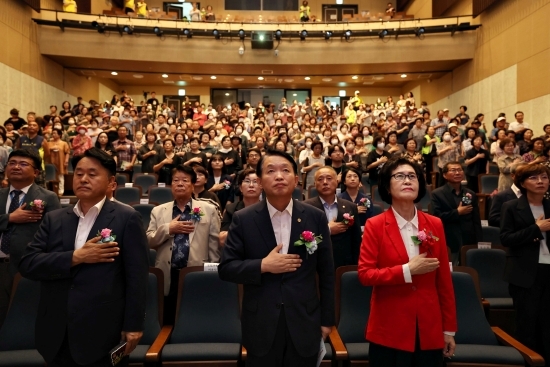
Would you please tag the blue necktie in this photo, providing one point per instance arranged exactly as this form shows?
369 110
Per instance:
180 254
6 237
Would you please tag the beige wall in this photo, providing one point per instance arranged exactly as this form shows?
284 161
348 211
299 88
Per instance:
420 8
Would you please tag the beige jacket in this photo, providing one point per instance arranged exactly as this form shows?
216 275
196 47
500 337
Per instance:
204 245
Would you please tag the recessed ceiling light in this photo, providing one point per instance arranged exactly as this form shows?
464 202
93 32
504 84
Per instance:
138 76
403 75
197 78
239 79
260 78
378 77
227 94
354 77
289 80
213 77
294 95
114 73
327 79
165 75
307 78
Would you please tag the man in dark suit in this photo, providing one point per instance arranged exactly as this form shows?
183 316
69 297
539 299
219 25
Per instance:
284 316
346 239
93 289
502 197
457 208
18 222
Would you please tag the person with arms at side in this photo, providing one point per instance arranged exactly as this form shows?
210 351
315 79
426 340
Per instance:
125 152
58 155
251 190
74 255
458 209
18 222
285 314
502 197
182 237
352 182
506 162
345 234
524 230
412 320
477 162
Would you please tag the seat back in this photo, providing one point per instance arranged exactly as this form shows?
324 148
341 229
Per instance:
51 172
377 209
375 195
297 193
473 327
145 180
145 211
202 295
353 305
153 306
152 257
17 332
489 264
493 169
312 192
121 179
128 195
160 195
137 168
488 183
425 201
491 234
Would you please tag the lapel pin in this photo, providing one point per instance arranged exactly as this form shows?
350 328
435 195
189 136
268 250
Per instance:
299 220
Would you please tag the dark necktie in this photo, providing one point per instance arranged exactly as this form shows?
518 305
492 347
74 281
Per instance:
5 245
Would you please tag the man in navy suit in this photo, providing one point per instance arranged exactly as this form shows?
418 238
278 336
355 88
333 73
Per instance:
504 196
93 294
283 316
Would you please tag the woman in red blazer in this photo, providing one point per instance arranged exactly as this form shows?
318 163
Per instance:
404 257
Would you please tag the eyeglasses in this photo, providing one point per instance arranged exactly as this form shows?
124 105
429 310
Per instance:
455 170
537 178
403 176
184 180
251 182
14 164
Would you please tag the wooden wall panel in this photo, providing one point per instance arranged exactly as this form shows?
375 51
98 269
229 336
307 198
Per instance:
480 6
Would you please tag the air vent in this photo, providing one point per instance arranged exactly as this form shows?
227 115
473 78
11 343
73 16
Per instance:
368 83
185 77
138 76
197 78
424 76
270 79
377 77
88 72
289 80
239 79
168 81
267 72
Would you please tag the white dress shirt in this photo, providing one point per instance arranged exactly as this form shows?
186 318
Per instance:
407 230
85 222
8 203
516 190
331 210
281 222
544 254
515 126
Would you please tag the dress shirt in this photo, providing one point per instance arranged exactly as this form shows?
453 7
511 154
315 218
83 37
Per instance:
516 190
86 222
8 203
281 222
544 254
515 126
331 210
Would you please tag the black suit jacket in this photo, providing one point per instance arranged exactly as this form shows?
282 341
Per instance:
345 245
228 214
496 205
24 232
93 303
522 236
459 229
250 239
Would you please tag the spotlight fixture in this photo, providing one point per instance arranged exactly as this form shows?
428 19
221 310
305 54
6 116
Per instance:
128 29
383 33
347 34
158 31
303 35
165 75
260 78
100 27
213 77
114 73
420 31
328 34
216 34
241 34
187 32
278 34
403 76
355 77
307 78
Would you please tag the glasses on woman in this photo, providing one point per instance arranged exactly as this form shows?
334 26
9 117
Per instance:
250 182
537 178
403 176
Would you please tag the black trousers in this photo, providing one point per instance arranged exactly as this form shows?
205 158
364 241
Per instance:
381 356
171 300
282 352
532 317
65 359
473 183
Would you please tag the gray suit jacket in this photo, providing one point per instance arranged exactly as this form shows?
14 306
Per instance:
24 233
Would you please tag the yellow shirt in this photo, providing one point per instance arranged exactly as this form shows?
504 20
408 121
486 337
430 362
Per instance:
304 11
142 9
69 6
129 4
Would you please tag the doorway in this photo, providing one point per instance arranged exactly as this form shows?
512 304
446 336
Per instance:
338 13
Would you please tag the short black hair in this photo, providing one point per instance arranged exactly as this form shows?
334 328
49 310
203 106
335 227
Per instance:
243 174
333 147
220 157
27 153
253 150
200 169
445 168
273 153
315 143
385 177
187 170
104 159
377 139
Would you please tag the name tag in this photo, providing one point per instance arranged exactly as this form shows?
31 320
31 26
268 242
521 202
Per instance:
144 201
486 245
211 266
128 184
161 184
64 201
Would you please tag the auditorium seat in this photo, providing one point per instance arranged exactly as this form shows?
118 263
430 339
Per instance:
160 195
312 192
491 234
377 209
376 198
17 343
145 180
52 182
297 193
489 264
201 332
477 344
145 211
487 183
122 179
128 195
152 257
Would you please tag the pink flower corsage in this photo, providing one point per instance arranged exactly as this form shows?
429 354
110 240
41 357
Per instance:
348 219
309 240
106 235
37 205
227 184
426 239
365 202
196 214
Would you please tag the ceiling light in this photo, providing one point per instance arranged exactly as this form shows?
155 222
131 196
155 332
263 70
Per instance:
158 31
216 34
342 93
181 92
383 33
327 79
227 94
378 77
307 78
420 31
289 80
213 77
403 75
128 29
278 34
241 34
187 32
138 76
347 34
260 78
294 94
303 35
165 75
114 73
239 79
354 77
197 78
328 34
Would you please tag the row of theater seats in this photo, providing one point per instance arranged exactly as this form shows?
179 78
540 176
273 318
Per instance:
207 329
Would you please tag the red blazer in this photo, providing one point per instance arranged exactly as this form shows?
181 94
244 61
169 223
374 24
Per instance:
395 305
